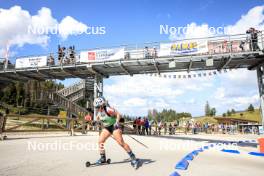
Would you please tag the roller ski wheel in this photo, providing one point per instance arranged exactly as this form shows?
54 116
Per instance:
98 163
87 164
135 163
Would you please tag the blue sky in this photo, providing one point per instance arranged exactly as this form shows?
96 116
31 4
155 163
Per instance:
138 21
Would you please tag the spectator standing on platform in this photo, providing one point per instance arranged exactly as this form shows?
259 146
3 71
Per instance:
253 45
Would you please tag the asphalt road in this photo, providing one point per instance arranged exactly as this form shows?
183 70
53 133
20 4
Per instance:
60 154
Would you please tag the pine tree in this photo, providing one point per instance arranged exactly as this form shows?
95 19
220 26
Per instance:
207 109
251 108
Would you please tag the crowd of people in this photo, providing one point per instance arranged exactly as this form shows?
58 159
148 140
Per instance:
144 126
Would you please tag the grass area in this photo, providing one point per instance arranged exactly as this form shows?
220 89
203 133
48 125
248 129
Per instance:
206 119
245 115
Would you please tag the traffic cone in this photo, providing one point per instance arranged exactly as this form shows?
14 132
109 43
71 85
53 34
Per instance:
261 145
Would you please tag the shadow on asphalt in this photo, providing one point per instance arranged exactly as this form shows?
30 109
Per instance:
141 163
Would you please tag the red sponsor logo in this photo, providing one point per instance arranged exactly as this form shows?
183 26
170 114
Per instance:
91 55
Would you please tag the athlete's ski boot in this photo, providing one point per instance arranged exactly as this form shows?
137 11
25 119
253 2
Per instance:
102 160
135 163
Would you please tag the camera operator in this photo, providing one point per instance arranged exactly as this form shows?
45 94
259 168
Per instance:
253 45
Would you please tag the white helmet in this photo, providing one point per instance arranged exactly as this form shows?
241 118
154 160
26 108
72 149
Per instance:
98 102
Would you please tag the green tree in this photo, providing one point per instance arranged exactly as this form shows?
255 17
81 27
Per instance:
212 112
228 113
251 108
224 115
207 109
233 111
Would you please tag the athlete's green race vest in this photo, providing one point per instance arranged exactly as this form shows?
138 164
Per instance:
106 119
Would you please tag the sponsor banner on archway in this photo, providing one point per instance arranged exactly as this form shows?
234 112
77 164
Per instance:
31 62
183 47
102 54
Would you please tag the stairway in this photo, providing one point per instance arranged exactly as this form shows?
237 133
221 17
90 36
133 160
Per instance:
67 97
78 90
67 104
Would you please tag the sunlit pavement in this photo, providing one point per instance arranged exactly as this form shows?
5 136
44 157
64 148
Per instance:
53 155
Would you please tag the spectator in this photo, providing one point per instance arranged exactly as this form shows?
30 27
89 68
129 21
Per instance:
139 126
150 126
187 127
253 45
147 126
127 55
242 45
135 126
206 127
174 128
154 53
51 60
159 127
146 53
170 129
142 124
165 128
2 125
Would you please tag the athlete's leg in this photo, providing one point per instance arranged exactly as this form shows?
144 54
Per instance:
102 138
119 139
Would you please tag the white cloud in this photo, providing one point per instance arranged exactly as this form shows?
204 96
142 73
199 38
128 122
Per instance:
70 26
135 102
16 26
237 89
139 93
253 18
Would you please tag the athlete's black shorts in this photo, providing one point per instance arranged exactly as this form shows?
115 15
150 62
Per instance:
110 128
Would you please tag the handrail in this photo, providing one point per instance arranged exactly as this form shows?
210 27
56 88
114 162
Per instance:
139 48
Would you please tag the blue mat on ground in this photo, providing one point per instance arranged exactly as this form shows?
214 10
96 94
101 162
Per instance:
174 174
256 153
189 157
182 165
195 152
231 151
206 147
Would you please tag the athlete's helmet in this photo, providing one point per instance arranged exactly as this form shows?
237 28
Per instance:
100 101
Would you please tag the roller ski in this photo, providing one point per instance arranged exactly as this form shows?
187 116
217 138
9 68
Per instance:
135 163
98 163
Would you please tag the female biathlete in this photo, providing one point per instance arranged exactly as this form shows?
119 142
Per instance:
110 119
